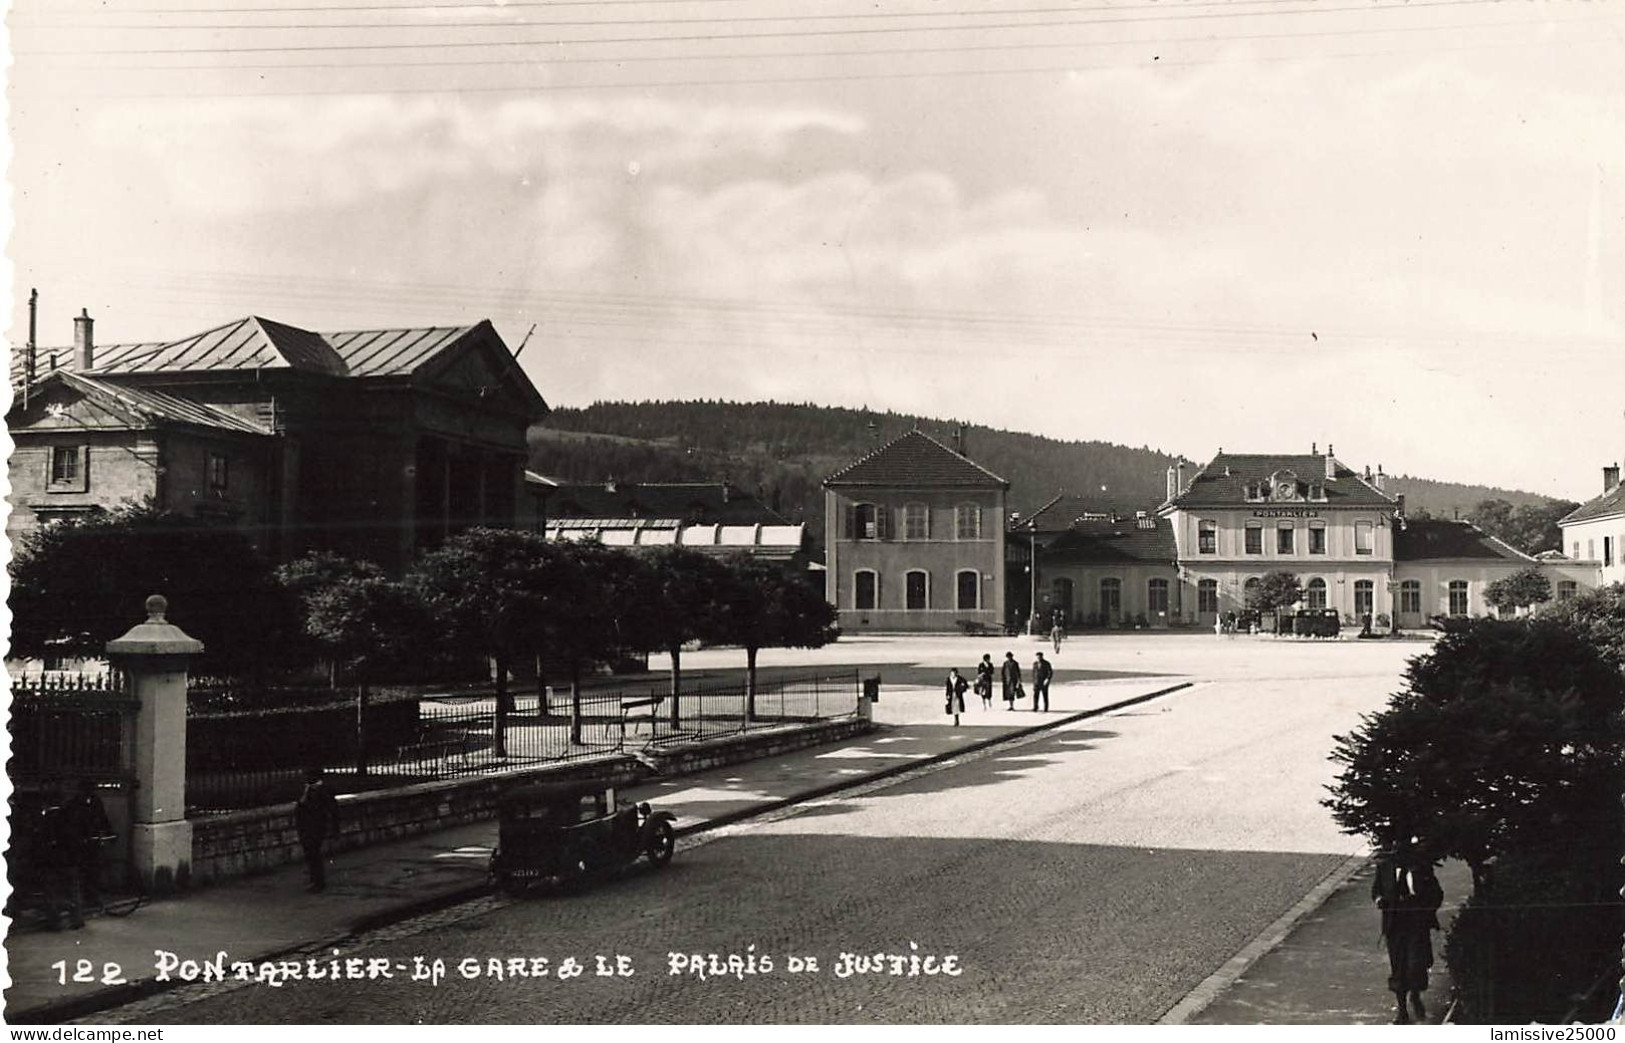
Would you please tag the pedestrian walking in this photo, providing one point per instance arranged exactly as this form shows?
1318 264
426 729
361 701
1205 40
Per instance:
984 681
1408 893
1057 633
956 694
1010 677
1042 672
316 817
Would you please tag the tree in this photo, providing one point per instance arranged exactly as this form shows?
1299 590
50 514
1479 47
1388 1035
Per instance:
1274 591
1598 616
1522 589
365 622
315 573
602 607
1507 738
78 584
771 607
689 592
496 591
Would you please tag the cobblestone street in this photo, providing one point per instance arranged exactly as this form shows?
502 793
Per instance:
1095 874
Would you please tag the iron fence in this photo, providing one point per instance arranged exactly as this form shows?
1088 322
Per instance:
70 725
453 736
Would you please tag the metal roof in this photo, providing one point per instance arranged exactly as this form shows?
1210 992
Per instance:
158 406
381 353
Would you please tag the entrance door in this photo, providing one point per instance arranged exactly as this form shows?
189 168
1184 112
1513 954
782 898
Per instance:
1156 600
1111 601
1061 599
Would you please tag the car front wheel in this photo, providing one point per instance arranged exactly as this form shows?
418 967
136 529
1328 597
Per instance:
662 844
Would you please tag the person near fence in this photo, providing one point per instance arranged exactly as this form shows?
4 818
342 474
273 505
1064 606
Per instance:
1408 893
984 681
1042 672
1010 676
68 845
89 825
956 694
316 817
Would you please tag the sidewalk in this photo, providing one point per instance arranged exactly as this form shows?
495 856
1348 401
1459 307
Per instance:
259 917
1332 969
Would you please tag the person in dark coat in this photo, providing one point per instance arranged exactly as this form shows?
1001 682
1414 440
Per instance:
316 817
984 681
90 829
1408 893
1010 676
956 694
1042 672
69 832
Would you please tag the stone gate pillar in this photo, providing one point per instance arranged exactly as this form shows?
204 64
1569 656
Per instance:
154 656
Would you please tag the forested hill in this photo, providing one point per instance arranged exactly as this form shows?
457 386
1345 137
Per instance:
785 450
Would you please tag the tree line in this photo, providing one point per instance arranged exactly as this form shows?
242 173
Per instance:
506 595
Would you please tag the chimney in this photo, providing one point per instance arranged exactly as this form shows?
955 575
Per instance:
1314 448
1381 478
1179 477
1331 462
84 343
1400 500
960 441
1610 478
1173 490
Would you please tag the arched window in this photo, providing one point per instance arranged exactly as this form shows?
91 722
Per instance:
1364 595
1061 597
1249 591
1410 596
1207 596
916 521
917 590
1156 597
968 522
1315 594
866 589
968 589
1111 599
1458 597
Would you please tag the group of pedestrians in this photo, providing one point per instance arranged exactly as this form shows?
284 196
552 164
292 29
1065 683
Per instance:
1010 680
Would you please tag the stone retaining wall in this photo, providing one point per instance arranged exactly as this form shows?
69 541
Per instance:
242 843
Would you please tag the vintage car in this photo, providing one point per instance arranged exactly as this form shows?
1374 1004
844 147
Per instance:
566 833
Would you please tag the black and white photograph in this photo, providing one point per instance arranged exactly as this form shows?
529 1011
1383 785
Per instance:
871 512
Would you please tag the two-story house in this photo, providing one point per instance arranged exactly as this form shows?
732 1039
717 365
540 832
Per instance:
1244 515
915 539
373 443
1595 532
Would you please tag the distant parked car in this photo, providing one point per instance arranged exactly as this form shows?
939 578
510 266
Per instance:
567 833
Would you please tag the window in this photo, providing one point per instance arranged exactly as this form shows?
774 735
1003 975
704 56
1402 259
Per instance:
1111 598
1364 533
1156 597
866 589
1255 537
1567 590
968 585
1458 597
1410 596
1591 550
1315 594
1207 596
68 469
968 521
1207 537
1317 537
917 590
1256 492
219 474
1576 552
866 521
1607 550
1317 492
1364 596
916 521
1283 539
1061 597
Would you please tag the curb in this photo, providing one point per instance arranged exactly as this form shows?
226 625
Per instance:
1215 984
120 995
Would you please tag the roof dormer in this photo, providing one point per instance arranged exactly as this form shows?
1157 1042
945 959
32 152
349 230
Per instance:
1284 486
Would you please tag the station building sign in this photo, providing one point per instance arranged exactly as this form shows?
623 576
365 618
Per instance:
1287 512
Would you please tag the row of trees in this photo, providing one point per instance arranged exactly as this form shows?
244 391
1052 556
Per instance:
1506 750
508 595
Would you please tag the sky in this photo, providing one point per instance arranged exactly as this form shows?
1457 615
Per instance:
1253 225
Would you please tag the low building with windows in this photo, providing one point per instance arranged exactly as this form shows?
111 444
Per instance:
1595 532
1221 530
915 539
